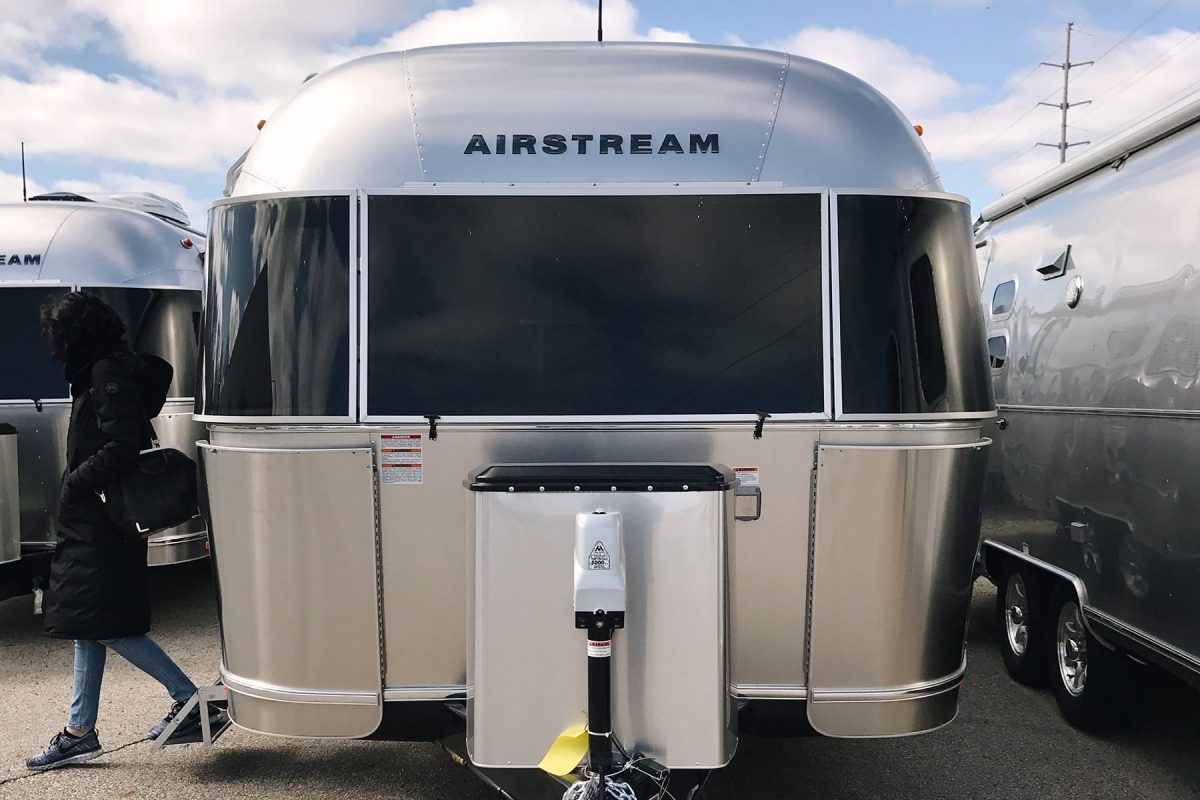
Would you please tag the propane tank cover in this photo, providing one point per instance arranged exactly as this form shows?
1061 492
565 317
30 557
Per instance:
599 562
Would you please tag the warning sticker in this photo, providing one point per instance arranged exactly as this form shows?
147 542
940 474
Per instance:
400 458
599 649
599 558
748 476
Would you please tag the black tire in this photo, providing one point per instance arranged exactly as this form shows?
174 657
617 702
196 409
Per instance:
1026 664
1110 693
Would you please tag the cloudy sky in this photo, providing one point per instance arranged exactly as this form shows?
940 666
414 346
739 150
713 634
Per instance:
161 95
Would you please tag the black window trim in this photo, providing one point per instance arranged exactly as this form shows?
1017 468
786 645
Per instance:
651 189
836 317
355 265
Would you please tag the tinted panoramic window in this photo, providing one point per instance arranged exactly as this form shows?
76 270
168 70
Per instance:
594 305
30 373
276 325
911 325
1003 297
162 322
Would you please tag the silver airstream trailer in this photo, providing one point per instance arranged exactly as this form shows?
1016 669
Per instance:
1092 301
462 300
135 251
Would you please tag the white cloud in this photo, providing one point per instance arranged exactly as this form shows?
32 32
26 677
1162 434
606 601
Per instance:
909 80
10 187
524 20
62 111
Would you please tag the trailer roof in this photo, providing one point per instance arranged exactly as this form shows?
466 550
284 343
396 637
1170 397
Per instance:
1145 133
434 115
92 244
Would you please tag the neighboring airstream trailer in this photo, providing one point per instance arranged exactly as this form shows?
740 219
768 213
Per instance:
461 295
136 252
1092 301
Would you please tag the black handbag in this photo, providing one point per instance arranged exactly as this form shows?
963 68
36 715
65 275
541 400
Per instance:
160 491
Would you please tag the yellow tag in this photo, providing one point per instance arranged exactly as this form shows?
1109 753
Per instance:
567 751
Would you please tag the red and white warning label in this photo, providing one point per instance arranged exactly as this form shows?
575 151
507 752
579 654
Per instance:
747 476
400 459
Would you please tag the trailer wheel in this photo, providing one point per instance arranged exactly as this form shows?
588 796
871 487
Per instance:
1097 689
1020 608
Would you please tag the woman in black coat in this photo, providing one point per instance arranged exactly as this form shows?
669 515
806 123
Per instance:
98 593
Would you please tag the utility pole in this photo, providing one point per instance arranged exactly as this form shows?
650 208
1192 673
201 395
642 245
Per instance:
1066 66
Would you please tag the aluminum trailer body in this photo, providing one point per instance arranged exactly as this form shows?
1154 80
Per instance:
1093 316
137 253
591 254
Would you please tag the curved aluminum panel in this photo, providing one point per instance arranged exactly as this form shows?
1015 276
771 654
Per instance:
293 537
895 535
412 117
88 244
1094 469
10 498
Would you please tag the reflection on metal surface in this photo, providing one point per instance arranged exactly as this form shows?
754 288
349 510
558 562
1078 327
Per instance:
270 526
1094 472
10 496
895 560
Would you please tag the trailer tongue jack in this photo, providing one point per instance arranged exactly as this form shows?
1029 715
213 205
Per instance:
599 610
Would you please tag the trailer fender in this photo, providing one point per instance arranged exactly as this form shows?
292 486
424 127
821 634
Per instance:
992 552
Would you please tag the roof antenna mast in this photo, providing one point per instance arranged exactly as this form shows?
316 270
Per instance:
24 192
600 21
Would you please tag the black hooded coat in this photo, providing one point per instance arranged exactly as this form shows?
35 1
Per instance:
98 584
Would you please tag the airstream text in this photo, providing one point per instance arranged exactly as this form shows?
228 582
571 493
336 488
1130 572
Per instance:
556 144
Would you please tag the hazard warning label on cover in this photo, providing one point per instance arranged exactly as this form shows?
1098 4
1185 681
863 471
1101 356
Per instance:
400 458
599 558
747 476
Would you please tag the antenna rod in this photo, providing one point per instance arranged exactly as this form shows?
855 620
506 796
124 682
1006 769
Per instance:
600 21
24 193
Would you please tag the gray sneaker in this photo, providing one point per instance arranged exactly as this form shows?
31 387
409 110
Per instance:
65 750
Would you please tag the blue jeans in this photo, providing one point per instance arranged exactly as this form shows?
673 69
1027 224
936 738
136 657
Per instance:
140 651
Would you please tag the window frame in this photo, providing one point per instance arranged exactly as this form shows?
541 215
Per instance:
594 190
1015 281
354 277
836 291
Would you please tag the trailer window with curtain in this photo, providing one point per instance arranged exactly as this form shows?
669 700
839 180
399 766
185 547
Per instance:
599 305
161 322
277 311
911 321
31 374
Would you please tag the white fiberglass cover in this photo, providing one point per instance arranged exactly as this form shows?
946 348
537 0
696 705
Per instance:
583 113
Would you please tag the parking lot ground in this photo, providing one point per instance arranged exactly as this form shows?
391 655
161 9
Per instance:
1008 741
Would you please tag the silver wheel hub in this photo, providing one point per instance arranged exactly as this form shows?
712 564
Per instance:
1071 644
1016 615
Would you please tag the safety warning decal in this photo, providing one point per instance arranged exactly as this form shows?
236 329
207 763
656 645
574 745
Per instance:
400 458
599 649
747 476
599 558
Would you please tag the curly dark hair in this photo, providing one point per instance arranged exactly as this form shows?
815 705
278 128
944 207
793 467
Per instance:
78 318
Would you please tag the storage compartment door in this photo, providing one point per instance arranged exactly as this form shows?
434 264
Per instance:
894 541
294 549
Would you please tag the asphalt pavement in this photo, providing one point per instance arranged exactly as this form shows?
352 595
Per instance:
1008 741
